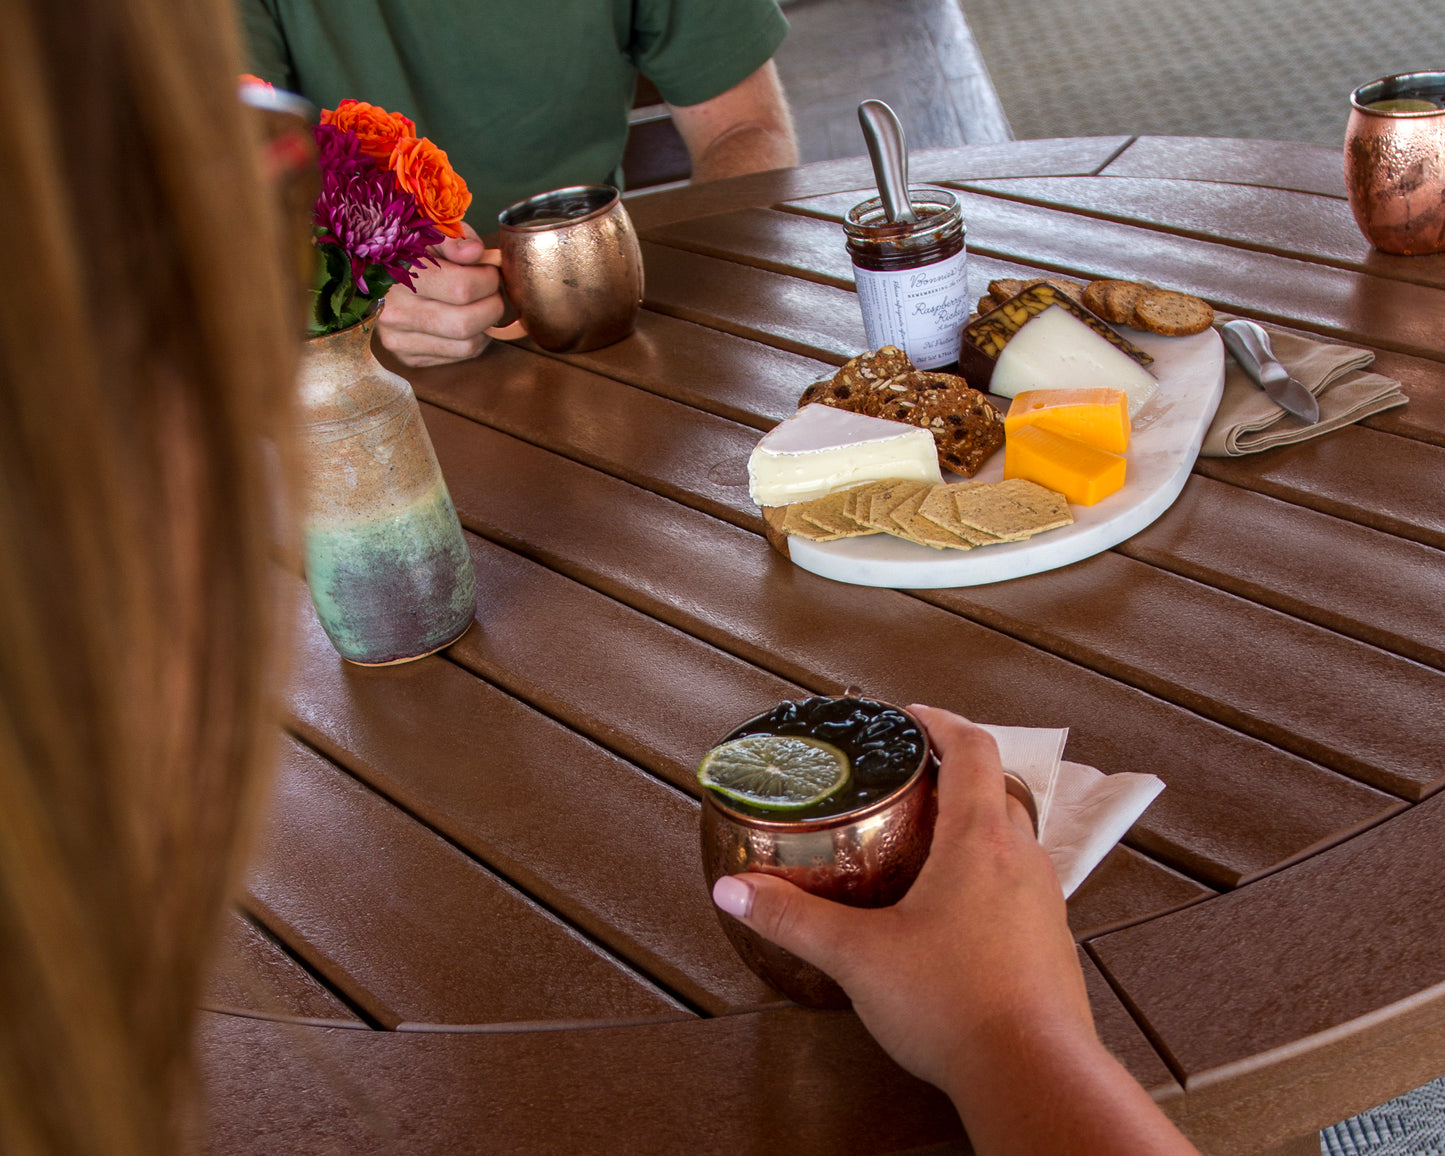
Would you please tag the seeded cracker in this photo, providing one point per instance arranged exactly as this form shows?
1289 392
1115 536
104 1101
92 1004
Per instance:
855 501
1049 507
939 508
795 523
916 528
966 428
885 500
829 513
901 513
1012 510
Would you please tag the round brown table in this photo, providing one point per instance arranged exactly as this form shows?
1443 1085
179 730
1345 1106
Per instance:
476 918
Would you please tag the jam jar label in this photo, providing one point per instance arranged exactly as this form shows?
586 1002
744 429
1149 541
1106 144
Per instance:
922 310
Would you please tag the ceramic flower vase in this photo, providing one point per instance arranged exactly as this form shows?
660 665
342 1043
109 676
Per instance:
388 569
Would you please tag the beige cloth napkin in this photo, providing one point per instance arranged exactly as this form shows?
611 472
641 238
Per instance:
1082 811
1247 421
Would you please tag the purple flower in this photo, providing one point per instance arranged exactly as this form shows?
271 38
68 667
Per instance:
374 222
339 149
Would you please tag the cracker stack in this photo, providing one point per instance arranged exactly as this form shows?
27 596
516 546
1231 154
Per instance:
957 516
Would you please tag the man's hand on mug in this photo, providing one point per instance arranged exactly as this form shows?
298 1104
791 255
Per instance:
455 302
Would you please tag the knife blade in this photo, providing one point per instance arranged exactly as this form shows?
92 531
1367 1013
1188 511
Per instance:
1249 344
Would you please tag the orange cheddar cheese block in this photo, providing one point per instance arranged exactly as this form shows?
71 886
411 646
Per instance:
1073 468
1097 417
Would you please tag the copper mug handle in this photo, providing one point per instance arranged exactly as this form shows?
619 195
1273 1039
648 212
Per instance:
515 329
1020 790
571 267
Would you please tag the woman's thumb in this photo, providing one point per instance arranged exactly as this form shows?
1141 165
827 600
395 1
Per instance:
807 926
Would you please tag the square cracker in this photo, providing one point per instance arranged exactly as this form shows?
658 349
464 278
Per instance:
1012 510
885 499
939 508
1049 506
829 513
916 528
794 522
855 502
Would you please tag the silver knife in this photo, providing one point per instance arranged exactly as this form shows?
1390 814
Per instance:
1250 345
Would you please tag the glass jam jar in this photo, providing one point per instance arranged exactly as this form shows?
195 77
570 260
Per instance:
912 283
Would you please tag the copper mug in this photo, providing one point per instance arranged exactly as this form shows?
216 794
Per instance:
867 857
1395 162
571 268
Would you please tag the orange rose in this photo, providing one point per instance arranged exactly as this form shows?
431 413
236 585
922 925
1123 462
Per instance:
423 170
378 130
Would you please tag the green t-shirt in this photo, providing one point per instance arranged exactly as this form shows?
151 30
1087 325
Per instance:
523 95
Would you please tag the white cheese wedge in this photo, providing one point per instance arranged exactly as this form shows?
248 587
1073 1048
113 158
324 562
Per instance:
1055 350
821 449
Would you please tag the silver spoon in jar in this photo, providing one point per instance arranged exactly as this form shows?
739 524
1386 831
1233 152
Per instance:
889 153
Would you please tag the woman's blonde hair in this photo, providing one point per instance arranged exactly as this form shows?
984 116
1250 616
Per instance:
144 351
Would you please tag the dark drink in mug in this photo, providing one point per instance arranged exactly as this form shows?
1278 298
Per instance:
859 837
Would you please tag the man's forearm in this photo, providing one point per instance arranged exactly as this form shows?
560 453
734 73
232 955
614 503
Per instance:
746 129
747 148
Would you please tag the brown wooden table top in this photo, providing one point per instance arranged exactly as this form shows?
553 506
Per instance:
477 920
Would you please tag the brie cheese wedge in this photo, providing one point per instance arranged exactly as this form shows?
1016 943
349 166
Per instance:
821 449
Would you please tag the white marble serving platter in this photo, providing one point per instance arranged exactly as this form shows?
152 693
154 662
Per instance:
1164 443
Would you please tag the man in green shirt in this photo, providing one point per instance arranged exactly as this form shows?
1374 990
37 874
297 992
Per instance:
525 96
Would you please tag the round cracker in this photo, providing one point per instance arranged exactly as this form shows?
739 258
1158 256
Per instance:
1172 314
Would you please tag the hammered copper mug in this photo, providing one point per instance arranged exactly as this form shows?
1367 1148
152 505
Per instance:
571 268
1395 162
864 857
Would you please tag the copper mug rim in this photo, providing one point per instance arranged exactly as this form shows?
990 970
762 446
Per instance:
927 761
1386 87
601 199
927 764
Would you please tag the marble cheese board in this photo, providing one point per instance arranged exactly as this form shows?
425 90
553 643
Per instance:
1165 441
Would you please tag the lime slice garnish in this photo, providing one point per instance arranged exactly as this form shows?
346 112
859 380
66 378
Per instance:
775 772
1403 104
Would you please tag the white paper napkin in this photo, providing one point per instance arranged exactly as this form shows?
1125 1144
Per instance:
1082 811
1091 812
1033 754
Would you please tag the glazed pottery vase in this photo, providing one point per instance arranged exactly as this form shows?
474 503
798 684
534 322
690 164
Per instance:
388 569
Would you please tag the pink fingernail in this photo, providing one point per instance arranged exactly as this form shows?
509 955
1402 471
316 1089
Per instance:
734 896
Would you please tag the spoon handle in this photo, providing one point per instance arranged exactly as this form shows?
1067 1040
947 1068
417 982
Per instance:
884 136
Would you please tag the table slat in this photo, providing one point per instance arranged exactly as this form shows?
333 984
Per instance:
1331 940
253 975
1125 888
616 678
1376 587
782 242
741 1083
1347 705
1257 163
1393 484
733 377
800 316
408 927
690 455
